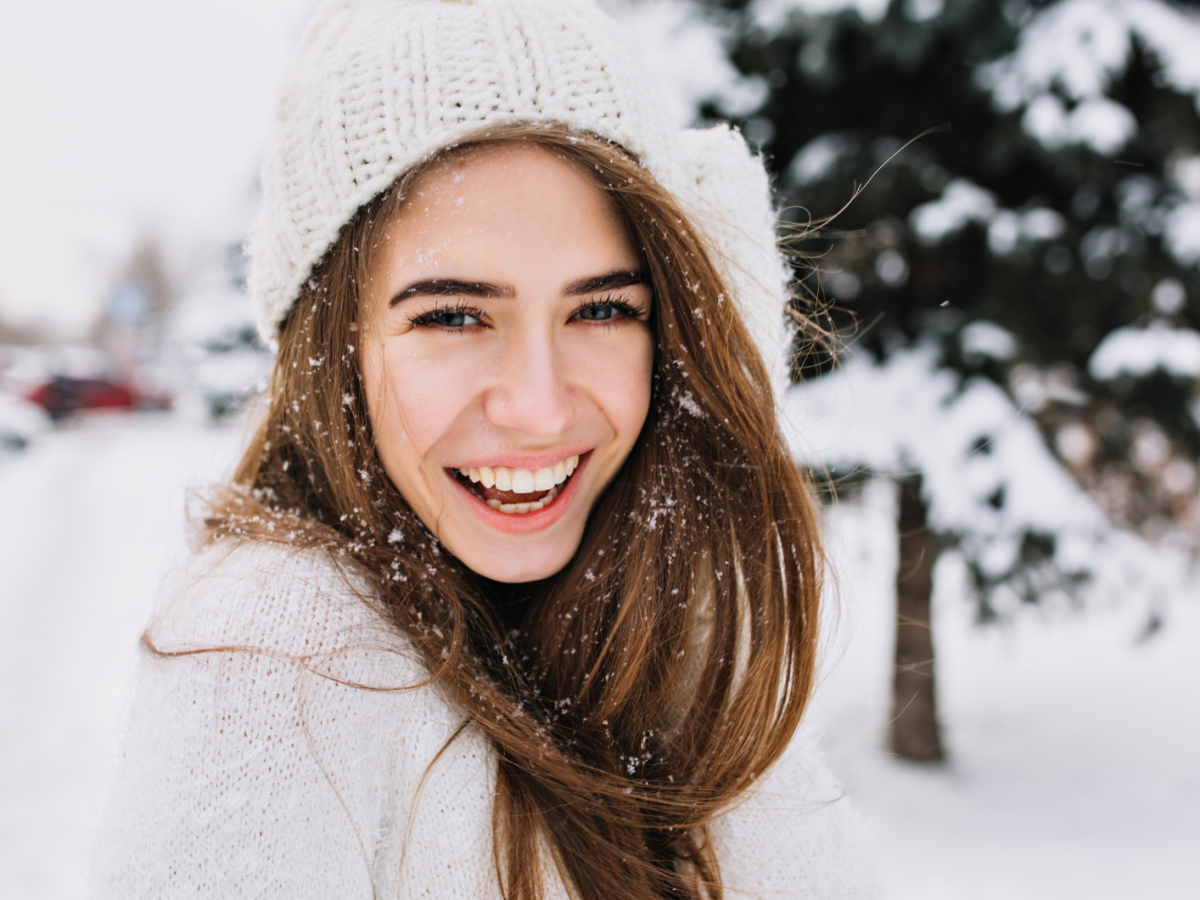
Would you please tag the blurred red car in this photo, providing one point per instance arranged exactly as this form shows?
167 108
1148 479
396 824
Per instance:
62 396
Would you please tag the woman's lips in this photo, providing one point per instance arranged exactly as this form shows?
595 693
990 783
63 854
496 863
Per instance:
540 513
516 490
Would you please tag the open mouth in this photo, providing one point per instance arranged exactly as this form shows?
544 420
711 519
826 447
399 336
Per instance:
517 491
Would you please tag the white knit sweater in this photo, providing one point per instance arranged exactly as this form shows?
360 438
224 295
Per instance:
253 775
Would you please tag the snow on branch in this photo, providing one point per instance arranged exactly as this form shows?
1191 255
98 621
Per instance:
963 203
993 488
770 15
1071 52
1138 352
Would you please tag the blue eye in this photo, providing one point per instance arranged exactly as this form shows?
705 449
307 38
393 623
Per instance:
598 312
452 318
606 310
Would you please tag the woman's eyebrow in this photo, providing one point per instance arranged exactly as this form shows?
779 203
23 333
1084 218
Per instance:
608 282
454 287
451 287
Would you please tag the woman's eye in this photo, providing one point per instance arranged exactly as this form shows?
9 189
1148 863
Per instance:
449 318
606 310
599 312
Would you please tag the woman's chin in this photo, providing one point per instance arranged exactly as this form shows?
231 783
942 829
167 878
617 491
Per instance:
516 566
519 546
507 557
508 548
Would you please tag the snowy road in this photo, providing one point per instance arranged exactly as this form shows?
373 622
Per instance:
1076 750
89 515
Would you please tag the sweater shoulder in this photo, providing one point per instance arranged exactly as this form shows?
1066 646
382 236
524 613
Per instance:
271 740
273 599
796 833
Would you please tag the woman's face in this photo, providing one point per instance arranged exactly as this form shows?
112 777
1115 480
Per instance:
507 355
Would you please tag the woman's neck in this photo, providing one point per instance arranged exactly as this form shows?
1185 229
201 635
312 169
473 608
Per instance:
510 601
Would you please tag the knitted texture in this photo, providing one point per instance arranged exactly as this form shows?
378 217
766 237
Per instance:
271 771
378 86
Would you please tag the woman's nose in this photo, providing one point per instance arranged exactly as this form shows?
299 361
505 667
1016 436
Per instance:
531 393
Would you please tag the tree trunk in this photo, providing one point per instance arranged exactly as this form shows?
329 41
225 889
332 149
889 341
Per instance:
914 733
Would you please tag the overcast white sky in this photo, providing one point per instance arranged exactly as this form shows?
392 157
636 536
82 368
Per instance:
120 119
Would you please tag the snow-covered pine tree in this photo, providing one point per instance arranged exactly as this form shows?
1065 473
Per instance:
1019 296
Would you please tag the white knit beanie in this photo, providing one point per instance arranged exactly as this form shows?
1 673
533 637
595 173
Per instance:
378 86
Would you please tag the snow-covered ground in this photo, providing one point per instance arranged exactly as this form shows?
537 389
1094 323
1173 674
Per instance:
88 515
1074 747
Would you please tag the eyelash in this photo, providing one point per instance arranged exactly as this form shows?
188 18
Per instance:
622 306
427 319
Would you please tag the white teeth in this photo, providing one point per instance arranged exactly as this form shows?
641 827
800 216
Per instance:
526 482
516 509
522 481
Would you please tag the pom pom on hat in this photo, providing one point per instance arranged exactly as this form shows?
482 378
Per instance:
378 86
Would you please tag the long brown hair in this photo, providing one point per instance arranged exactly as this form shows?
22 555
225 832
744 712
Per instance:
661 671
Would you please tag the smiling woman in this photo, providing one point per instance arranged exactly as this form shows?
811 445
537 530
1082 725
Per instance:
514 592
506 330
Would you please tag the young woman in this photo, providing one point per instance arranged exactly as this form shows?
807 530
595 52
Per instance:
514 592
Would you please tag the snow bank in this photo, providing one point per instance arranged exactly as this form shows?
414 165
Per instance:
1072 738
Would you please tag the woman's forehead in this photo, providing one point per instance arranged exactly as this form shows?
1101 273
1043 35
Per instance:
498 169
513 214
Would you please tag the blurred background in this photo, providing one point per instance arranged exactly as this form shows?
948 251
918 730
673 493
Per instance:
1005 426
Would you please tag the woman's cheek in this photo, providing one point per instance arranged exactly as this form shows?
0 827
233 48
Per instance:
617 370
428 391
